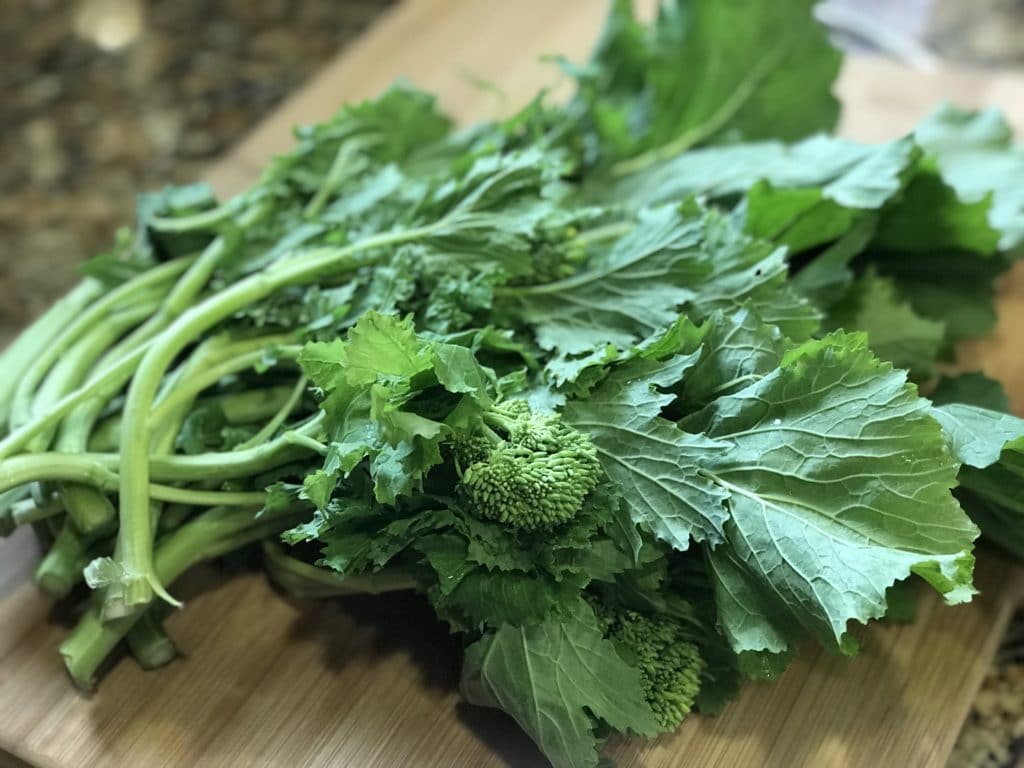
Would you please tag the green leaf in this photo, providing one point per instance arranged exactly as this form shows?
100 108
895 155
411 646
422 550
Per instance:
975 154
896 333
746 272
655 465
827 278
838 485
492 598
738 349
458 371
627 292
977 435
950 287
557 679
797 218
971 389
323 362
931 216
705 72
383 345
318 486
850 175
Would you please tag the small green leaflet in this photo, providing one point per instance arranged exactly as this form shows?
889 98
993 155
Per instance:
555 678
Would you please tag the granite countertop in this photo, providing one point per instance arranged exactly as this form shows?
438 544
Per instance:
103 98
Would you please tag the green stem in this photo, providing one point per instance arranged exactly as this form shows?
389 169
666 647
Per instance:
713 123
245 407
98 312
29 511
268 430
148 641
222 247
24 351
611 231
212 534
89 509
342 166
207 220
303 580
305 441
97 469
55 573
200 498
183 395
135 536
76 362
61 567
102 387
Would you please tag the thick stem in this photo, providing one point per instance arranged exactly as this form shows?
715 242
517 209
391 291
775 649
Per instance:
181 397
210 535
61 567
23 352
98 312
222 247
28 511
74 366
136 532
89 509
268 430
149 643
98 469
308 581
247 407
102 387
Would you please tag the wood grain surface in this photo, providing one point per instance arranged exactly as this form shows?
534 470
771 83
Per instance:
370 683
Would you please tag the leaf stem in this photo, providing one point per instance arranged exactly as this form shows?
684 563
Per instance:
135 536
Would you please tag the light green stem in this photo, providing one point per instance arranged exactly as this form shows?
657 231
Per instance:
23 352
268 430
149 643
182 396
76 363
98 312
135 535
209 535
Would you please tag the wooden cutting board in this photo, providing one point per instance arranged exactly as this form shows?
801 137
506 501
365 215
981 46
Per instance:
268 681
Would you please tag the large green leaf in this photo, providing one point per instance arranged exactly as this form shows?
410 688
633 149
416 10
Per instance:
627 292
708 71
654 463
675 258
976 156
896 333
838 485
554 678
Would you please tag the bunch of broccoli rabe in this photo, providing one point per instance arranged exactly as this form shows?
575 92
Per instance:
630 389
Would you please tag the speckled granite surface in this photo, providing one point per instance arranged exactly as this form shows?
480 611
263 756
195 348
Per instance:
102 98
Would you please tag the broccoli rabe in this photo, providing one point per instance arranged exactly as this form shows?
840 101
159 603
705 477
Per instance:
526 470
670 665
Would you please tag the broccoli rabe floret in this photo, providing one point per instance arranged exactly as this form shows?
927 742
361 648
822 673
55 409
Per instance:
670 665
527 470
